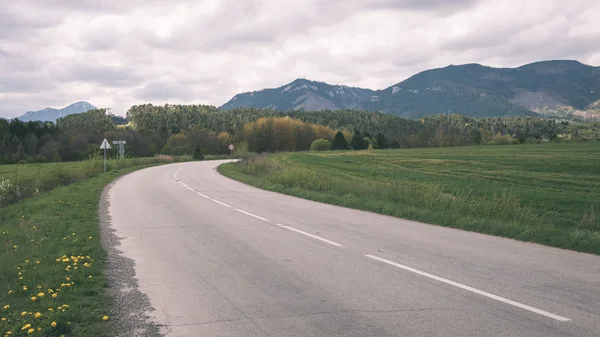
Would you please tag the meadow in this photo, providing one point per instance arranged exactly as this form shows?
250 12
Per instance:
545 193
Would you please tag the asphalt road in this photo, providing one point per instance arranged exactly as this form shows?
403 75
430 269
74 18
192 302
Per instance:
216 257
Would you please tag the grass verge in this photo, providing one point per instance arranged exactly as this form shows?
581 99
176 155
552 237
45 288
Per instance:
549 194
52 279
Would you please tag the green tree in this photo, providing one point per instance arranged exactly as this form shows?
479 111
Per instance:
381 140
339 141
320 145
198 153
357 142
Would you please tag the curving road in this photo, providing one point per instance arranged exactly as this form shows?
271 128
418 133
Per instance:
219 258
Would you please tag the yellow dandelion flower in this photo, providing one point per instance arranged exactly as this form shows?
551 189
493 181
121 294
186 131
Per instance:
59 308
33 227
30 331
24 287
90 276
15 246
37 315
50 291
26 261
39 329
39 287
50 309
105 318
65 305
37 262
20 273
24 313
6 306
34 298
53 324
21 277
41 294
68 278
65 259
75 268
90 237
26 326
10 292
2 319
54 295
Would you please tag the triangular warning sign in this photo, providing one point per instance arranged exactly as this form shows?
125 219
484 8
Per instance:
105 144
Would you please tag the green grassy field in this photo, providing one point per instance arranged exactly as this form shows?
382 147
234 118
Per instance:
548 193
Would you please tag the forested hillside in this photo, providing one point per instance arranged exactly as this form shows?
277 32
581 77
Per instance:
187 129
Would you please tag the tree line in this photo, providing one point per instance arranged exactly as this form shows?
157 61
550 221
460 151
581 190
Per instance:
192 129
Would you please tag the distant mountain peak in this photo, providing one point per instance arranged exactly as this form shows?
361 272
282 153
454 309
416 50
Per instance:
51 115
301 94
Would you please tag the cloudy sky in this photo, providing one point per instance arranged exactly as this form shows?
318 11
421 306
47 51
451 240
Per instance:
116 53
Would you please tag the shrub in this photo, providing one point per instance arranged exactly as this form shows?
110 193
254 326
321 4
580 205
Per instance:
320 145
499 139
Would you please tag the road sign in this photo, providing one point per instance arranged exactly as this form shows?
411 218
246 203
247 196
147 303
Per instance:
231 147
105 144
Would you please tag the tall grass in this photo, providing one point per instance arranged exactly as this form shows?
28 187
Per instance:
16 187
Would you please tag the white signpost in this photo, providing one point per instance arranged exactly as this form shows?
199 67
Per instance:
121 144
105 146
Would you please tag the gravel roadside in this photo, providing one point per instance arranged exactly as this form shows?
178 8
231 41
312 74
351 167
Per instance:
131 308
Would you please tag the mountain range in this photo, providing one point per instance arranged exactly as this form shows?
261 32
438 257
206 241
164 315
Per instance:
51 115
561 88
